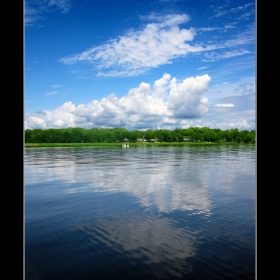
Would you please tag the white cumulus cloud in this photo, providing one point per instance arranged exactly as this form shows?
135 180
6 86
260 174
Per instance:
166 102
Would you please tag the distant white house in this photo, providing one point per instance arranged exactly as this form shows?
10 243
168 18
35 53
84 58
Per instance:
154 140
141 139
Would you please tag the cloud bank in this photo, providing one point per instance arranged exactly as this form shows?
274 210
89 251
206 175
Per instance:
166 103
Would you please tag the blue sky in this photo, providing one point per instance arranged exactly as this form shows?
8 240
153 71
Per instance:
140 64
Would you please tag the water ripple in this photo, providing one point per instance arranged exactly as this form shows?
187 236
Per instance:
140 213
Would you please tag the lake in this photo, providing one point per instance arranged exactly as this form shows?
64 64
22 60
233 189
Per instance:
174 212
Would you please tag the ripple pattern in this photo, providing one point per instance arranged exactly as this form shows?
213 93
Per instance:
140 213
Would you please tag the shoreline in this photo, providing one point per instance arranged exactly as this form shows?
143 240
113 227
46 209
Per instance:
27 145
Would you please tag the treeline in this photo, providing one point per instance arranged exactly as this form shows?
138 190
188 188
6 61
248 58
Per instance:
113 135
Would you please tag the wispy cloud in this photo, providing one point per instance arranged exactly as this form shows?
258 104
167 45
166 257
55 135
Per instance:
168 1
214 56
233 10
233 47
158 43
205 29
136 52
34 9
230 26
31 14
221 93
62 5
247 37
51 93
247 15
56 86
228 105
201 68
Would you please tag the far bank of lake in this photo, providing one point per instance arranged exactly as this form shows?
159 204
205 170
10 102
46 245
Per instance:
130 144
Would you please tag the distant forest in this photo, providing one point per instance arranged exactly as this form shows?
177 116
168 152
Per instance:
113 135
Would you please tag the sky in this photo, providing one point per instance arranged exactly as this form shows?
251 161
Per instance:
158 64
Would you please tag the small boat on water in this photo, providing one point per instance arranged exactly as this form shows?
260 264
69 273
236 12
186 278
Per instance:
125 145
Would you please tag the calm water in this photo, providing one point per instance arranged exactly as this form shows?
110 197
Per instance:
140 213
